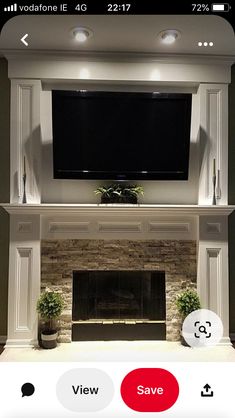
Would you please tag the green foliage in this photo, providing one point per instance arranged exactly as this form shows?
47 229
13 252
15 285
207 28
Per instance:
187 302
120 190
50 305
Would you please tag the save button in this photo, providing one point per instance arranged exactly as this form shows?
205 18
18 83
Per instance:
149 390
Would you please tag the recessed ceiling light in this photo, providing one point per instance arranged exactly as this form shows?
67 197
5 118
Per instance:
169 36
199 43
205 43
211 43
81 34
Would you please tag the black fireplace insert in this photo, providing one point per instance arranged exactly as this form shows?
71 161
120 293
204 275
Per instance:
118 305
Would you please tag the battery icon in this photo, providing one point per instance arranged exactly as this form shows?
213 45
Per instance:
220 7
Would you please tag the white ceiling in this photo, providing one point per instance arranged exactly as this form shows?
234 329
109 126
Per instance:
137 34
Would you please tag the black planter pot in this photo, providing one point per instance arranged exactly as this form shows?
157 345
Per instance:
49 340
119 199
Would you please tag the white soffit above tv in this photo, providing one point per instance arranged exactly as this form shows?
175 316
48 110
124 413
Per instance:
120 34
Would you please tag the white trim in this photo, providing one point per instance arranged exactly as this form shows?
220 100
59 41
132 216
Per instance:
225 341
20 343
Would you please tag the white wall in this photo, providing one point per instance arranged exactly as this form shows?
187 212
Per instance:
82 191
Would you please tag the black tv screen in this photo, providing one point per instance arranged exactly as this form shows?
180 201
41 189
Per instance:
121 135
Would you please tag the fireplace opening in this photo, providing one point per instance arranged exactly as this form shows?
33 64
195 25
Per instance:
110 305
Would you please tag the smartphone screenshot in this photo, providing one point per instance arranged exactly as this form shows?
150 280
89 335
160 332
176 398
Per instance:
117 209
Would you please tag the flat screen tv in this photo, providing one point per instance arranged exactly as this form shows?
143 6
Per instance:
121 135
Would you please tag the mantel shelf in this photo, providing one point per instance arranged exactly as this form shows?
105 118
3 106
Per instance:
119 209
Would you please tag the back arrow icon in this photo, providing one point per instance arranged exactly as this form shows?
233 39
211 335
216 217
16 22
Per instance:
23 39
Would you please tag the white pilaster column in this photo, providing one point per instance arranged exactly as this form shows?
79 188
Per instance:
25 140
24 280
213 142
213 275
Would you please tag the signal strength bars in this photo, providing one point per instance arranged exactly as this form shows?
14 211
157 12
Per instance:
12 8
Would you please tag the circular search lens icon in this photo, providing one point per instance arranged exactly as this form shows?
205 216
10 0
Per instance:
202 328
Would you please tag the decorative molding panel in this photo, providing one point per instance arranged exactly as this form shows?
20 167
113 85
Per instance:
214 278
68 227
25 227
213 142
213 274
24 280
25 140
169 227
23 289
119 226
213 227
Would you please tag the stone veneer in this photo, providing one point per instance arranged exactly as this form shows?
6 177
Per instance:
61 257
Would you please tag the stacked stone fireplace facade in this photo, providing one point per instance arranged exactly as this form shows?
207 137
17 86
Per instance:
177 258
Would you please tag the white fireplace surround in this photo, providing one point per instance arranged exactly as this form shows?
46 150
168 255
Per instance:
32 74
31 223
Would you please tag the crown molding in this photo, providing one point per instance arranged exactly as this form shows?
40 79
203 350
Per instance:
35 55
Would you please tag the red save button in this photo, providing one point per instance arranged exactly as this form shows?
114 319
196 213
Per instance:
149 390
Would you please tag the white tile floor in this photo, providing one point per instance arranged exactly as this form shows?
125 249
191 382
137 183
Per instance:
120 351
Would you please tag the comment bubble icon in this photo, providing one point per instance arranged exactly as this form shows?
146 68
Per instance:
27 389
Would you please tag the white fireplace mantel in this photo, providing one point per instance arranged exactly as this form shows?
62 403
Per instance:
114 209
115 221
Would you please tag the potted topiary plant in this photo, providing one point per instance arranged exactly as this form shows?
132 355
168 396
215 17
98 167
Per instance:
49 305
120 193
187 302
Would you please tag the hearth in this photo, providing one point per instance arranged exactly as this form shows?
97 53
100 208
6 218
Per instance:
111 305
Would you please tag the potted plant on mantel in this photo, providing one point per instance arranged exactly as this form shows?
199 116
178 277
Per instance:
120 193
49 306
187 302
